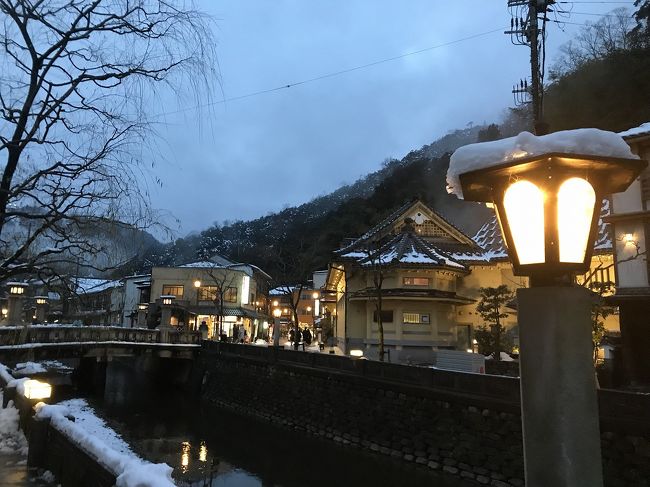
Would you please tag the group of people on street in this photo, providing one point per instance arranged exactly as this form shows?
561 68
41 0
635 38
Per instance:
304 335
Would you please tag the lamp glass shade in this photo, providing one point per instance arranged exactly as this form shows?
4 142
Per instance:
576 201
524 207
35 389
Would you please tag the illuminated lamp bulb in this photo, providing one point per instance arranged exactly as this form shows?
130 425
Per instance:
524 207
575 208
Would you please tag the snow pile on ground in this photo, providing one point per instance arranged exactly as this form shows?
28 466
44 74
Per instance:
486 154
260 343
12 439
91 434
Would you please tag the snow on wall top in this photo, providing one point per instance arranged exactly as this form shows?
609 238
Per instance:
487 154
642 129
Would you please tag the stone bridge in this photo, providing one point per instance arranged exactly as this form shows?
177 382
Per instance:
41 342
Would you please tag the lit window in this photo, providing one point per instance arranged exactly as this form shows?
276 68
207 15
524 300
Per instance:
208 293
230 295
416 281
416 318
172 290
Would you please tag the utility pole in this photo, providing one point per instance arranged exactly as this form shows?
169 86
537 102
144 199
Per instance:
525 31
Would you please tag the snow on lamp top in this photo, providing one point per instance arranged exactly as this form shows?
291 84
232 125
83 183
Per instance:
486 154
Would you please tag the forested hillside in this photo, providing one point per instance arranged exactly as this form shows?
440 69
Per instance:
601 80
316 228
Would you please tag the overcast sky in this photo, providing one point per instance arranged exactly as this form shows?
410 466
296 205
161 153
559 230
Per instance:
245 158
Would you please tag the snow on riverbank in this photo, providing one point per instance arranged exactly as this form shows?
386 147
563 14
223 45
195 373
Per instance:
93 435
12 439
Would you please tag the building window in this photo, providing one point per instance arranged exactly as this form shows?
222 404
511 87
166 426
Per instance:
386 316
230 296
416 281
208 293
172 290
416 318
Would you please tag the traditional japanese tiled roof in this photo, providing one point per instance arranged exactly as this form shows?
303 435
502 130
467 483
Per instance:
404 249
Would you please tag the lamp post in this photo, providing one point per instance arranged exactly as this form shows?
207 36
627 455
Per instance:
142 314
41 306
15 302
165 326
197 286
547 206
277 313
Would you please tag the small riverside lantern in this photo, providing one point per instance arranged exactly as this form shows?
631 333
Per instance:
165 325
37 390
142 315
15 302
41 306
548 207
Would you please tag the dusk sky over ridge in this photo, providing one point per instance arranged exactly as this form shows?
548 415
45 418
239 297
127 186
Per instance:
246 157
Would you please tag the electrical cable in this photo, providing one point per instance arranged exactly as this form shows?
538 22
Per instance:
328 75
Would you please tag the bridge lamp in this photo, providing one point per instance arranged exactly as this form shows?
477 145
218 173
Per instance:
167 300
315 295
35 389
548 207
277 312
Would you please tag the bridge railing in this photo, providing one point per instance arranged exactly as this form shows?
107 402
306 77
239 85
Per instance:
17 335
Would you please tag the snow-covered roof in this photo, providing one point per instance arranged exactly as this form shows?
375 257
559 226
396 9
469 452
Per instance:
405 248
87 285
203 264
643 129
487 154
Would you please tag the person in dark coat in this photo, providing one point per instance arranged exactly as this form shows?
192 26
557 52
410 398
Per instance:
306 336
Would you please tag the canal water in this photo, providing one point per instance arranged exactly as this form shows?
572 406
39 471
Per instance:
219 448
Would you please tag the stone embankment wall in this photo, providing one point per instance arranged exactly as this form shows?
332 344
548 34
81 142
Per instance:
466 425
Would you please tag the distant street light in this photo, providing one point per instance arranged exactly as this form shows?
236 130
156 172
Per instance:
548 207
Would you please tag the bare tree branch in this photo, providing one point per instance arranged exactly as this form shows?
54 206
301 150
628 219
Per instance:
75 76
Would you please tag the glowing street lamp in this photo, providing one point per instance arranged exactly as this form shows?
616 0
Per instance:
548 207
277 312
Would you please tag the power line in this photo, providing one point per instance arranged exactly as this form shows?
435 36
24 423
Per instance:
627 3
328 75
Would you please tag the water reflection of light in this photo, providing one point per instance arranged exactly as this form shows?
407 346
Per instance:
203 452
185 456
